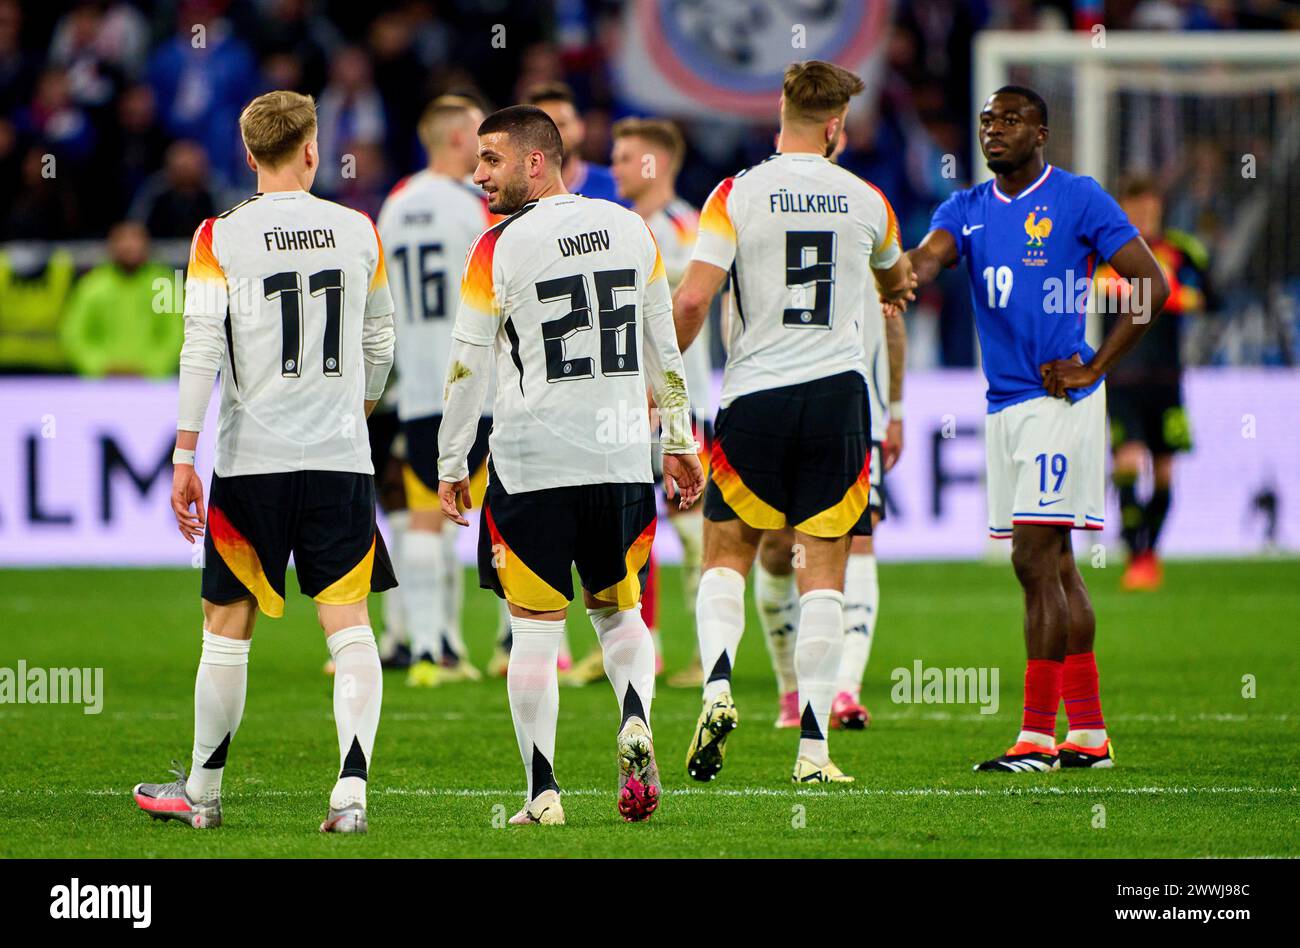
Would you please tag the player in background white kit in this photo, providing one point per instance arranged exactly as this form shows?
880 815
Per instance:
884 342
647 156
801 238
428 224
287 296
569 295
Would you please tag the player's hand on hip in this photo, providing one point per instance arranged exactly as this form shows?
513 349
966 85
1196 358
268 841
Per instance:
893 446
187 490
454 498
1065 374
683 478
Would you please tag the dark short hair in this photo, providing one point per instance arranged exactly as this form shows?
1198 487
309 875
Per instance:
1138 186
554 91
1032 97
530 127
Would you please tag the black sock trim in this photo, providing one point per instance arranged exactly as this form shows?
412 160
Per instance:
218 758
808 729
354 765
721 668
632 706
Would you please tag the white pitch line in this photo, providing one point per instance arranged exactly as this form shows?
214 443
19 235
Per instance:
729 792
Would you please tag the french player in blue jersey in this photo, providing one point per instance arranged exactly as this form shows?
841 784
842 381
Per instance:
1032 238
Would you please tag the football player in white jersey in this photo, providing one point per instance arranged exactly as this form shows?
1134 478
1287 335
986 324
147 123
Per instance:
287 296
801 238
647 156
569 293
428 224
884 342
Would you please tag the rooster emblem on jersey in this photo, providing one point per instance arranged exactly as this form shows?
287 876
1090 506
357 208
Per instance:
1037 230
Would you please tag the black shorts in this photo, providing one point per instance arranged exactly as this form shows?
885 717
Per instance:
529 542
879 495
421 472
383 428
1152 414
326 519
796 456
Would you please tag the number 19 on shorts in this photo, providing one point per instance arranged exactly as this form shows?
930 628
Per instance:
1051 469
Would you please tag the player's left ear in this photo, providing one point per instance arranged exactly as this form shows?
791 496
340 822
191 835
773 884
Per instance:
1041 138
311 153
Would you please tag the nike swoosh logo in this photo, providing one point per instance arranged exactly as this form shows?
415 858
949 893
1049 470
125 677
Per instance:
966 231
1048 503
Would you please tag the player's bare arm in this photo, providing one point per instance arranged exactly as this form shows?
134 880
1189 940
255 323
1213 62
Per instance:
1135 263
692 300
896 345
187 488
937 251
896 285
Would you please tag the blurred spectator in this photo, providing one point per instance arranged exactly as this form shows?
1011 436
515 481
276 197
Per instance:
18 67
134 147
350 111
56 119
174 200
34 285
296 31
365 182
99 49
202 78
124 316
44 208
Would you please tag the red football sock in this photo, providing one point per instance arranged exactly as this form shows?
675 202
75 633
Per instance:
1080 690
1042 696
649 595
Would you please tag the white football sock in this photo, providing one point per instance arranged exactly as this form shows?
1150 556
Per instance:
219 690
1045 741
1086 737
453 592
719 622
861 604
816 661
534 689
778 613
395 630
629 655
358 694
422 559
690 530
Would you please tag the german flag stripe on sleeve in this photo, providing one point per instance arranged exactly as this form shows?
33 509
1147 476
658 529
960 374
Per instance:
477 288
715 218
380 277
891 226
203 259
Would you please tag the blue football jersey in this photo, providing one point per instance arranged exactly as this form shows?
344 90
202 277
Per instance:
598 182
1031 258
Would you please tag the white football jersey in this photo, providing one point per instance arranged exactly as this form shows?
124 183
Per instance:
876 350
427 224
799 235
293 278
572 294
675 227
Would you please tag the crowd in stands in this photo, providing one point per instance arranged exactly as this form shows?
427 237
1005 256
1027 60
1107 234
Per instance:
119 123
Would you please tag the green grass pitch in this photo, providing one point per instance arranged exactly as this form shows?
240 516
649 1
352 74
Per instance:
1202 770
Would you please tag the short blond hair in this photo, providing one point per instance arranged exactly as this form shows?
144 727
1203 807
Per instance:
815 91
659 132
276 124
439 115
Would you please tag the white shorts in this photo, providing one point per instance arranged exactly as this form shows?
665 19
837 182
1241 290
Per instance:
1047 464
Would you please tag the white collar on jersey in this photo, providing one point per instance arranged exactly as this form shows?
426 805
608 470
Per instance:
1033 187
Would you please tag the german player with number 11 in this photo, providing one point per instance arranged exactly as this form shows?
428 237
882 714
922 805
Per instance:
1031 238
288 297
570 295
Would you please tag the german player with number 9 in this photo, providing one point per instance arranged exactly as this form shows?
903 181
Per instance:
1031 238
801 238
571 295
287 297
